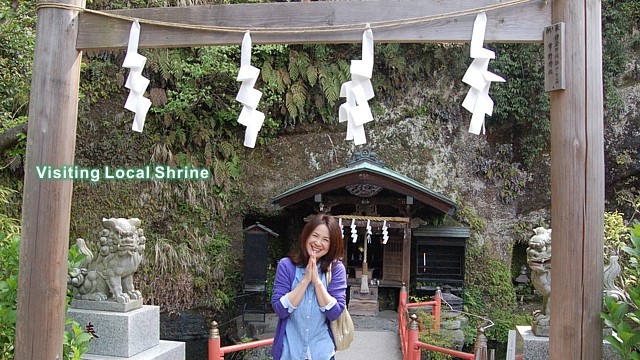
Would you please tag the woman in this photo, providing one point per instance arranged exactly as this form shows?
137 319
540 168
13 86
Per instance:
304 303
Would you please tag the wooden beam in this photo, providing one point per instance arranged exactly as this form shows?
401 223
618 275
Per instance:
406 255
522 22
46 205
577 187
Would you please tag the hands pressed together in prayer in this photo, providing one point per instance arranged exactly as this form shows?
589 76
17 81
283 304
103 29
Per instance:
311 273
311 277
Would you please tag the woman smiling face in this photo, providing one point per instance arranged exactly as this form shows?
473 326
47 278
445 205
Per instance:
319 241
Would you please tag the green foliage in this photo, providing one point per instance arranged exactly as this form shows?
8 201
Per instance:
622 317
634 251
101 77
9 258
616 238
628 200
468 215
499 169
9 254
620 35
490 293
76 340
428 336
525 104
17 43
619 20
199 271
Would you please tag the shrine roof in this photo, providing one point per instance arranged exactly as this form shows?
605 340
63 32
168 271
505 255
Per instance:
365 170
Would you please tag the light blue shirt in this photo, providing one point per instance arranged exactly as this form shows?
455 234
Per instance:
307 332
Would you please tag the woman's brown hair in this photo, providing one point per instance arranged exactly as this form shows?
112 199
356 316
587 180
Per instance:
299 255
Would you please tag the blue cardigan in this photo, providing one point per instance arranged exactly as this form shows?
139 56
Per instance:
285 274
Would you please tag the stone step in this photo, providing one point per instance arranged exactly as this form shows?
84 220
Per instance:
165 350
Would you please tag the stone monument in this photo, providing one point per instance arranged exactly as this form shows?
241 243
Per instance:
106 300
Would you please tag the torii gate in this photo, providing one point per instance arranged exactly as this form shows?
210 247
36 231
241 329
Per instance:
577 145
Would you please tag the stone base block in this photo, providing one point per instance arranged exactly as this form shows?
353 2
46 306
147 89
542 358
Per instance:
534 347
106 305
540 330
363 303
121 334
165 350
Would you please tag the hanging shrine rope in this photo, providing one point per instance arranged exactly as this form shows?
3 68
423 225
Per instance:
306 29
373 218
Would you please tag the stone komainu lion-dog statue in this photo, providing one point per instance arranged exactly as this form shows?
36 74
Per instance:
109 275
539 260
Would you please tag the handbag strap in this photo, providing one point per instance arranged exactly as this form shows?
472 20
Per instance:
329 273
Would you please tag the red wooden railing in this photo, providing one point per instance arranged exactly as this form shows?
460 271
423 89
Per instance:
408 327
217 353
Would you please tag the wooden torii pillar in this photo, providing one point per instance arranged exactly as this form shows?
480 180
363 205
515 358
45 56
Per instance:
46 205
577 187
576 135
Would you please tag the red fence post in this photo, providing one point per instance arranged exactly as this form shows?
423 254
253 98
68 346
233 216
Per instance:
214 341
437 309
412 351
403 297
402 321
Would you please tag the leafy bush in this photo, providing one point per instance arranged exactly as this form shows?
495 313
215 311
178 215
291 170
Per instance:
75 338
622 317
9 255
490 293
428 336
17 43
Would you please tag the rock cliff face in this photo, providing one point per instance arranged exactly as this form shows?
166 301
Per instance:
434 148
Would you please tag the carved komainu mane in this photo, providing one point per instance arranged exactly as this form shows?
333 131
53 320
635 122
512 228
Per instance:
109 276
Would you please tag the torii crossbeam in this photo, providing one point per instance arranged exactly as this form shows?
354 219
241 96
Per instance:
577 143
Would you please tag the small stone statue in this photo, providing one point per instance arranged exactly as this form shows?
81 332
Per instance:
539 260
109 276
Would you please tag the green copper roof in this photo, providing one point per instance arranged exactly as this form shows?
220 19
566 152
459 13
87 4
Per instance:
366 166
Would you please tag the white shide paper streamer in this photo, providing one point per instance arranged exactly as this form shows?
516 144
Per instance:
385 233
248 96
136 83
354 231
479 78
355 111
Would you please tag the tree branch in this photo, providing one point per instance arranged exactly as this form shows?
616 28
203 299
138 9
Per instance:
11 137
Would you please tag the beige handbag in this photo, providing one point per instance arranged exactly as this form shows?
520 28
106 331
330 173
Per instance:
342 328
